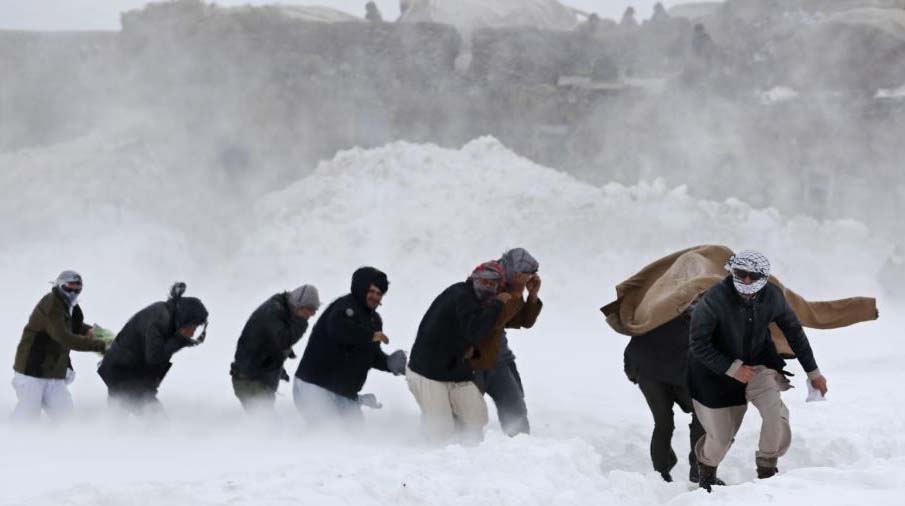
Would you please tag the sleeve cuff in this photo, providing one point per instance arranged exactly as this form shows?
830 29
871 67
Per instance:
814 374
734 368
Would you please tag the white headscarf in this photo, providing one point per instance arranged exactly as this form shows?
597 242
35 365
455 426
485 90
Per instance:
750 261
65 278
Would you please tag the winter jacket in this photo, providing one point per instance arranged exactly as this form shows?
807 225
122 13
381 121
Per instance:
341 349
266 341
494 348
139 357
454 322
660 354
49 335
726 327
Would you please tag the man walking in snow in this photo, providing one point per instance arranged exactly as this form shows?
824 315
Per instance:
439 375
344 346
139 357
266 342
43 369
733 361
502 381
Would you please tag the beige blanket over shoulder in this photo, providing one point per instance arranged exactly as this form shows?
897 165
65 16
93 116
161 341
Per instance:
664 289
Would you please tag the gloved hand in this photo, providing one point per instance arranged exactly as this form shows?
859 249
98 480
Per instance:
396 362
284 376
369 400
290 353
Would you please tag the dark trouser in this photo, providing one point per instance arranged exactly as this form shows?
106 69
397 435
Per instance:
660 398
254 395
504 385
135 401
133 389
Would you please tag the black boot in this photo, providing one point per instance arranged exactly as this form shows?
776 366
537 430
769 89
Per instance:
666 476
764 472
706 477
693 476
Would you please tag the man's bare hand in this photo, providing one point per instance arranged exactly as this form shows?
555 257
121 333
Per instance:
380 337
533 285
504 297
745 373
469 353
820 384
519 281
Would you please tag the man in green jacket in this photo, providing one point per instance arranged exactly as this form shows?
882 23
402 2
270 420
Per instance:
42 368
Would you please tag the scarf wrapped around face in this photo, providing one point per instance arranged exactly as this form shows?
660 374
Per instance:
492 271
750 261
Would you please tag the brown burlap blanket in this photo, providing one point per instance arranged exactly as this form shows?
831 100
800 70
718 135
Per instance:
664 289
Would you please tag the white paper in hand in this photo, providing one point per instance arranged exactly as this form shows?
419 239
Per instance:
813 393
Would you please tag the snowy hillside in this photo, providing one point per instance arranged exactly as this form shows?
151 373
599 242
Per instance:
106 205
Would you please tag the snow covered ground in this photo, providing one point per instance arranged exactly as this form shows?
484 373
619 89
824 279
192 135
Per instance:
107 206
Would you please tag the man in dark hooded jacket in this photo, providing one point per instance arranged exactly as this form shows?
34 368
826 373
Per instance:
733 361
503 382
139 357
343 347
266 342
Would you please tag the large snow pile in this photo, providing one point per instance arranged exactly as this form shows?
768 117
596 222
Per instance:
426 215
470 15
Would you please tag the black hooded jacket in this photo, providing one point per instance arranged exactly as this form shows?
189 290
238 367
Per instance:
726 327
453 322
341 349
139 357
266 340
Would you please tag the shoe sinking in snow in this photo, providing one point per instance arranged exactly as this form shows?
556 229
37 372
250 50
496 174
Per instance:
693 477
766 472
707 477
666 476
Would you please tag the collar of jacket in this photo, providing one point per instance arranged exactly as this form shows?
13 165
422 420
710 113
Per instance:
283 300
362 305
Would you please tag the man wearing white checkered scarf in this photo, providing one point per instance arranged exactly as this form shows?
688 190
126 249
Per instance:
749 270
733 362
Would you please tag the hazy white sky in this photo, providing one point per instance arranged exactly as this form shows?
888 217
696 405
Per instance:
104 14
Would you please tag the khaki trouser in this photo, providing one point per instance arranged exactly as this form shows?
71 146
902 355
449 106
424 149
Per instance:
448 408
721 424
